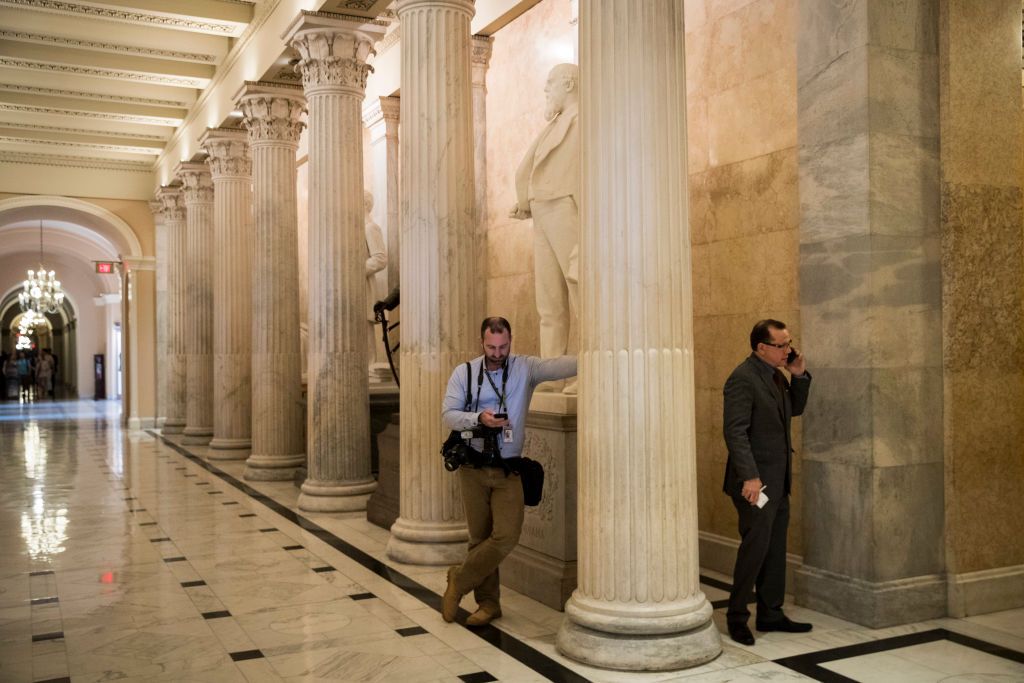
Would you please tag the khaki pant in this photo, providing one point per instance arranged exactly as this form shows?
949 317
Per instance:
494 514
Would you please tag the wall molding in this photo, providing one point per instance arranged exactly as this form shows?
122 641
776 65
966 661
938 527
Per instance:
125 16
83 131
95 146
24 36
177 81
55 92
988 590
106 116
75 162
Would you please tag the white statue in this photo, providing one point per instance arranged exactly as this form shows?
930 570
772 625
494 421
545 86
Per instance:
376 261
547 188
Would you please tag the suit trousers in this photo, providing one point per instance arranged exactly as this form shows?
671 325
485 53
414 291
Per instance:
556 238
761 560
493 502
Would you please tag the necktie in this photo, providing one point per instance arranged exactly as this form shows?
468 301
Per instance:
780 382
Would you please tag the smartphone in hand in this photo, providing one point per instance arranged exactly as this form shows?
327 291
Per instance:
501 416
793 353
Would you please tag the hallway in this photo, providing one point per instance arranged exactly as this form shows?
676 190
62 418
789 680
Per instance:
125 557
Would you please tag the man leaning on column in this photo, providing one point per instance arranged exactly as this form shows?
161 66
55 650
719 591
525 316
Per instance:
487 399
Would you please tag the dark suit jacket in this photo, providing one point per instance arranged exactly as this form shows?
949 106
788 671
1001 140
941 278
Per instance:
756 426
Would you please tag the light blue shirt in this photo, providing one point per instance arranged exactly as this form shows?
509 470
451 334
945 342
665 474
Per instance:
524 374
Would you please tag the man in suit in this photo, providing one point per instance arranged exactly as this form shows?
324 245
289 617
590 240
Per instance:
759 404
547 189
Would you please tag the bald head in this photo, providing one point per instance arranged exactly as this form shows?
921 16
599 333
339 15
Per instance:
561 89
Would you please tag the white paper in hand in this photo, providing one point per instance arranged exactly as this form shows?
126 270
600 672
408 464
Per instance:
762 499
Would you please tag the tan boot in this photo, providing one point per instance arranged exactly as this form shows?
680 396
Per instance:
484 615
450 601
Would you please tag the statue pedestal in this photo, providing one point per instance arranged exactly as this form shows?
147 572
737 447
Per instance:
543 565
383 507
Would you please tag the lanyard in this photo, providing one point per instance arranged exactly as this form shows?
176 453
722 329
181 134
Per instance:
504 382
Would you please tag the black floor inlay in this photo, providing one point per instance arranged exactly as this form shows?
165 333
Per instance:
214 493
147 523
230 502
246 654
263 531
248 514
220 614
192 584
159 540
202 483
174 559
292 547
44 601
48 636
42 572
362 596
510 645
321 570
478 677
63 679
411 631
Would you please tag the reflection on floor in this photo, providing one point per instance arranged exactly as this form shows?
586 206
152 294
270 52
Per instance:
125 557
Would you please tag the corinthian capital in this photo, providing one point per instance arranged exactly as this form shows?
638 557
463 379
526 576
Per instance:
271 113
228 152
196 181
173 203
334 49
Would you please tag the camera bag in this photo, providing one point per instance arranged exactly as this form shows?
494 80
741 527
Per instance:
454 440
531 474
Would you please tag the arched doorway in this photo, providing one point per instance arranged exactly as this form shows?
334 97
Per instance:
56 333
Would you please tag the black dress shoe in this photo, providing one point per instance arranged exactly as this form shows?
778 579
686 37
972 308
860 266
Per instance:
741 634
786 625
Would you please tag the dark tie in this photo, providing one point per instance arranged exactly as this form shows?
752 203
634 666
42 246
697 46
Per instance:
780 382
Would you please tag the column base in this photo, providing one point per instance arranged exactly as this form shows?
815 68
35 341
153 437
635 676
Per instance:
636 652
428 543
197 436
272 467
320 496
229 449
172 426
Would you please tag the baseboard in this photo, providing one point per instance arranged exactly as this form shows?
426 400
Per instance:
718 553
136 423
988 590
876 604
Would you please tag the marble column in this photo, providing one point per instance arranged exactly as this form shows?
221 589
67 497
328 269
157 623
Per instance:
156 207
231 169
381 119
272 114
441 288
980 123
871 311
197 188
638 604
333 52
177 277
480 60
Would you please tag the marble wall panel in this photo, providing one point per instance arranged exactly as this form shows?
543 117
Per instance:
751 42
910 26
904 182
511 296
754 118
903 92
837 28
908 518
904 427
834 186
833 100
839 433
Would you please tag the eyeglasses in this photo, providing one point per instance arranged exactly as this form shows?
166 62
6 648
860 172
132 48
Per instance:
784 345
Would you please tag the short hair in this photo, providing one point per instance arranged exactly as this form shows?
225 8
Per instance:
495 324
761 335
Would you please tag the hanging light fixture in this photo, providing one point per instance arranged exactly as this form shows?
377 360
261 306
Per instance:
42 293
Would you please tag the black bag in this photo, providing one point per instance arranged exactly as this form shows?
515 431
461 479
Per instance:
531 473
454 448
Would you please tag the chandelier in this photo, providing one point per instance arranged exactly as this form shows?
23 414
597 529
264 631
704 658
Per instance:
41 293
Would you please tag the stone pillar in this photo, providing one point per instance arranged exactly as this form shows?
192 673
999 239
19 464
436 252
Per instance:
272 114
381 118
177 277
871 311
198 192
231 169
333 51
441 288
481 59
982 246
638 605
156 207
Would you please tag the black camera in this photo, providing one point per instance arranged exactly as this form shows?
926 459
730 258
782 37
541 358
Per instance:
457 450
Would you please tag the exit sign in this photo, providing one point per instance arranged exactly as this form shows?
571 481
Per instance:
105 267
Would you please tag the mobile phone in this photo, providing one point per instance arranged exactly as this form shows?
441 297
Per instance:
793 353
501 416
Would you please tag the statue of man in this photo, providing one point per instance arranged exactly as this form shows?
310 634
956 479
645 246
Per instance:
376 260
547 189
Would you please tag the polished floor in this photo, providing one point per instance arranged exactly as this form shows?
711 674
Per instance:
127 557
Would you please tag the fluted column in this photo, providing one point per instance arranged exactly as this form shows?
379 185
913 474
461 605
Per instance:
440 283
381 119
231 169
272 114
638 604
333 52
156 207
481 59
197 187
177 277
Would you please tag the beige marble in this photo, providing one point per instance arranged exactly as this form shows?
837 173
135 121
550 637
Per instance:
156 207
638 605
333 51
381 119
273 117
231 169
177 307
198 193
439 305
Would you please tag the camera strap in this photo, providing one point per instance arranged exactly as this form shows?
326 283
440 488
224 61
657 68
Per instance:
469 387
504 382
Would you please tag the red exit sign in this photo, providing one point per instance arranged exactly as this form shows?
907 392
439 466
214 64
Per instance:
105 267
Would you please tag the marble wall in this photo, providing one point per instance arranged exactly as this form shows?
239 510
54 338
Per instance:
744 219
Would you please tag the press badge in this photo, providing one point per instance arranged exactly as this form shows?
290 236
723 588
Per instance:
506 434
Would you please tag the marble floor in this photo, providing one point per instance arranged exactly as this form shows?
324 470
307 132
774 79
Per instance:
127 557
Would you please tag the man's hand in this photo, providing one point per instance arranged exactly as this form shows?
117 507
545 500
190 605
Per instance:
488 420
751 490
519 214
798 366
